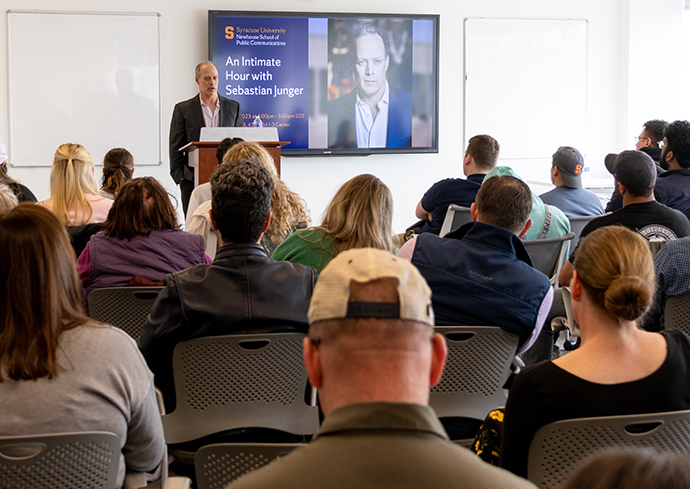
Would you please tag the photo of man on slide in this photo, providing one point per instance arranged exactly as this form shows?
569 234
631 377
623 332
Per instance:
374 114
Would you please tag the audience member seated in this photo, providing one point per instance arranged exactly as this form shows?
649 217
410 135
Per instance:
141 241
22 193
242 291
61 372
288 210
649 141
635 175
359 216
672 272
373 356
118 168
480 157
569 196
481 274
637 468
618 369
202 193
7 198
74 195
547 221
673 187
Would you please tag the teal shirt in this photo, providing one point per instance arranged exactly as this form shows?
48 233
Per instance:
559 224
312 247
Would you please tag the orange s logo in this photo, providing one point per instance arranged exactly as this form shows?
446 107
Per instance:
578 169
229 32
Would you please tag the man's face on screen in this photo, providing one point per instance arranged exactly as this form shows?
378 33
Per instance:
208 81
371 66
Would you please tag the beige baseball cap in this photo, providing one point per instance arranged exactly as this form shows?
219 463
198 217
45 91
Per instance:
331 298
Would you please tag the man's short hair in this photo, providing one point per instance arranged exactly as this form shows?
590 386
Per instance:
241 192
363 30
197 70
484 149
224 146
678 139
504 201
656 130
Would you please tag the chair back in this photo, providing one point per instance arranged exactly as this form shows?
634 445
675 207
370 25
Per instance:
456 216
577 224
219 464
558 448
123 307
86 460
478 364
655 246
548 255
677 313
572 326
239 381
211 244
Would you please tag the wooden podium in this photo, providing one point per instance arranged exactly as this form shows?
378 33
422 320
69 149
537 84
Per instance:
201 155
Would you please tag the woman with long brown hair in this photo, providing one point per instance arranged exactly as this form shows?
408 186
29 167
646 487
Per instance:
359 216
60 371
141 238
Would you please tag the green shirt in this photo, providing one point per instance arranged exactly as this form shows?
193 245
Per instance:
381 445
312 247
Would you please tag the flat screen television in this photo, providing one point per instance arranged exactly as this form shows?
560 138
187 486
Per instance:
332 83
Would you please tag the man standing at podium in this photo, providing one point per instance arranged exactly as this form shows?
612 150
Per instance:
208 109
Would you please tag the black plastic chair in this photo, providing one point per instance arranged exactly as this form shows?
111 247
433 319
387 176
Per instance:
123 307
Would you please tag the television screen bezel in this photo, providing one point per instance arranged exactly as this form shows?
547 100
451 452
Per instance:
286 151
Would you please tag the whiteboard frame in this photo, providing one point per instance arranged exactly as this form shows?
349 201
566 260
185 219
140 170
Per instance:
10 145
583 147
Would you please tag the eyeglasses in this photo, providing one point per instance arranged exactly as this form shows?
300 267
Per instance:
640 138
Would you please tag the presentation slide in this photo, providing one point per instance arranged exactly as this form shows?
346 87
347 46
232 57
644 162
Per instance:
260 64
332 83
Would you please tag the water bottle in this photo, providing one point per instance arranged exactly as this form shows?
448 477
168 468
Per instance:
257 122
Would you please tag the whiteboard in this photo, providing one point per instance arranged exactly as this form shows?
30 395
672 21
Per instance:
87 78
526 84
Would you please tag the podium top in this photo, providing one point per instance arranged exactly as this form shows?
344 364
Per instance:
214 144
246 133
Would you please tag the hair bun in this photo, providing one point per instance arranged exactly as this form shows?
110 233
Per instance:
628 297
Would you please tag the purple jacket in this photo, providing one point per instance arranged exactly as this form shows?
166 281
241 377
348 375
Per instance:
112 262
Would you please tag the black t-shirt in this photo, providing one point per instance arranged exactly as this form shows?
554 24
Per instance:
652 220
544 393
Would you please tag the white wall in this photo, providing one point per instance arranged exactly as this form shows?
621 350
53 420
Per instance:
651 53
184 36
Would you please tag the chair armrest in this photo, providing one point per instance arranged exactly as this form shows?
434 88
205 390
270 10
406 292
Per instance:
134 480
177 483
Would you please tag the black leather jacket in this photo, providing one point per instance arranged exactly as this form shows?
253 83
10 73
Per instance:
242 291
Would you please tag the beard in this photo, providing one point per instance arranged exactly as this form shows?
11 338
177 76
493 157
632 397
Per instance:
662 160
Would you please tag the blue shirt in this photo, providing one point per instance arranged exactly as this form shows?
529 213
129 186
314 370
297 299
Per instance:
673 189
456 191
574 201
672 271
482 275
